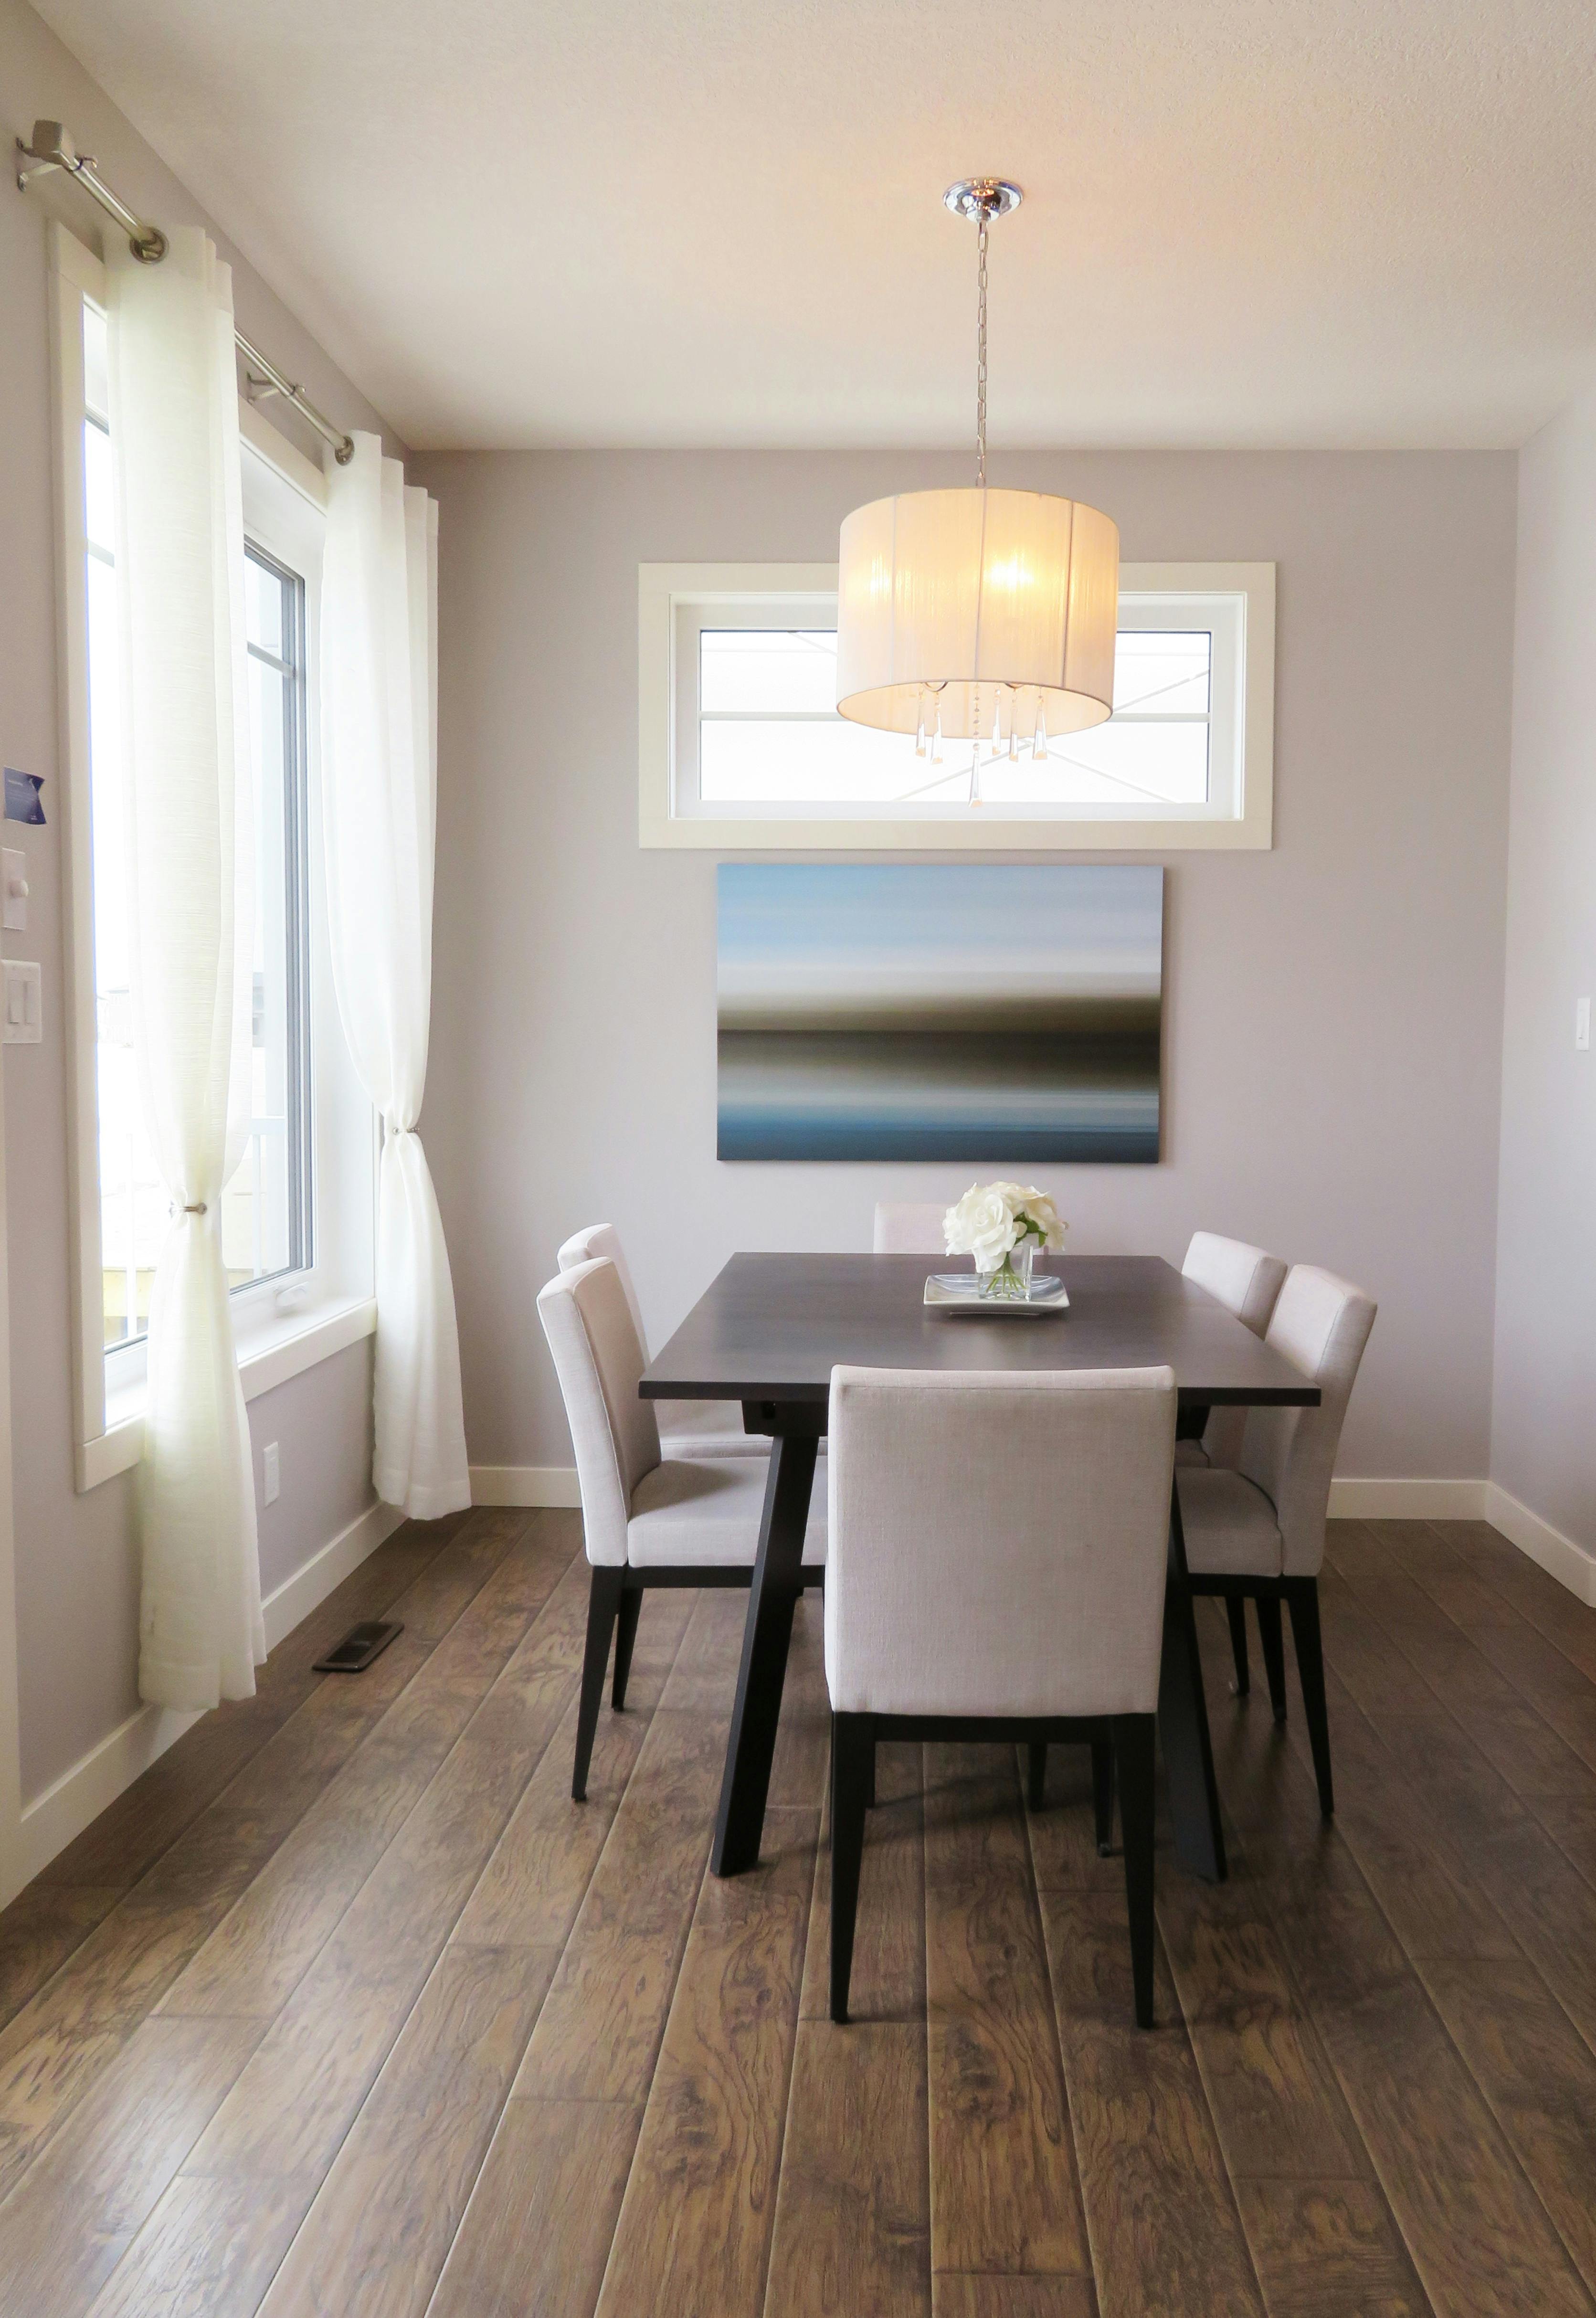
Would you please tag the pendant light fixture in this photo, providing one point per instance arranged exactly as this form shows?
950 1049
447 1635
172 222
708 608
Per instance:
983 616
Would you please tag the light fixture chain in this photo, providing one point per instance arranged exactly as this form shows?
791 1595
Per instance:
981 358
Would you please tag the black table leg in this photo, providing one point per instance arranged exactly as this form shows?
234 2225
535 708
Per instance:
1183 1724
779 1580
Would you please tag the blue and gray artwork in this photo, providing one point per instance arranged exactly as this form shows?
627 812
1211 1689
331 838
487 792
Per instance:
974 1014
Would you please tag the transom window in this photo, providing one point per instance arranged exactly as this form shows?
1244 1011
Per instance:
742 743
769 734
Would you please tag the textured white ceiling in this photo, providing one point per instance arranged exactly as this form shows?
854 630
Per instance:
719 221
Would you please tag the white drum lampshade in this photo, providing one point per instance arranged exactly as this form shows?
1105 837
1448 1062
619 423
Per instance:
987 609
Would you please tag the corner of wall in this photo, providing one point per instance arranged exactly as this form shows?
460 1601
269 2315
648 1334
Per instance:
1542 1479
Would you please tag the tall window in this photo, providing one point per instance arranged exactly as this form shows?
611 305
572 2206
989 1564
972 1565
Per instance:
265 1223
265 1210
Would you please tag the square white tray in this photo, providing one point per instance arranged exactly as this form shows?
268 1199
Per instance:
956 1292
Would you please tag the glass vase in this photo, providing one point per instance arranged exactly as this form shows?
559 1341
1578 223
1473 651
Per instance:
1011 1280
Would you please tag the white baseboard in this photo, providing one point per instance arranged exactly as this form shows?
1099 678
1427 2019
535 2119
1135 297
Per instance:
525 1485
288 1605
1571 1564
73 1800
1378 1500
1396 1500
71 1803
1351 1499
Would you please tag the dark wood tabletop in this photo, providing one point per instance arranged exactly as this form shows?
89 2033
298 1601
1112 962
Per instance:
771 1327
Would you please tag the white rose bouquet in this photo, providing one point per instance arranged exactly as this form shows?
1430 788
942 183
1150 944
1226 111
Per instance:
993 1222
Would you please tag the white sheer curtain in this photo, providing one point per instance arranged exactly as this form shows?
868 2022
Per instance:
379 778
180 564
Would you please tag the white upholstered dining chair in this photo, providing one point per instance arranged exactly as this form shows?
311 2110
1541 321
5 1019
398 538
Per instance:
646 1521
997 1549
687 1428
1258 1531
909 1228
1246 1280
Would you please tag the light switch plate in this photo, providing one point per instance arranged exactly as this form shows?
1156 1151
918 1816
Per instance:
23 1023
14 888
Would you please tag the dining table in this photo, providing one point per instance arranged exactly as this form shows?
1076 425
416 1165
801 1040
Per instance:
767 1332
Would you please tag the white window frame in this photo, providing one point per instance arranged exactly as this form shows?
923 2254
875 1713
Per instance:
671 597
282 1325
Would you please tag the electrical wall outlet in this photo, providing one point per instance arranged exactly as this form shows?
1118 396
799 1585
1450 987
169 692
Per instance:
270 1472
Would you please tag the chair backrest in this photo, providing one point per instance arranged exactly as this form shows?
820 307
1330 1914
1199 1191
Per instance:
1246 1280
603 1239
598 1360
1321 1323
909 1228
998 1541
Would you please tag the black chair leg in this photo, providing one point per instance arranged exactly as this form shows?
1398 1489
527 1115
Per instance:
1268 1607
603 1600
1132 1757
1102 1794
870 1784
1235 1607
1303 1595
853 1745
1035 1772
632 1603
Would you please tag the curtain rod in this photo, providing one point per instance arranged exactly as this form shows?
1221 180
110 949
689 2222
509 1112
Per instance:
52 148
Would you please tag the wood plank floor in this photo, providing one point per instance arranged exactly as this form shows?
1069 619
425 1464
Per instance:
345 2008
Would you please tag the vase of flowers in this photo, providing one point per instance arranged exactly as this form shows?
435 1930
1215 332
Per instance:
1001 1226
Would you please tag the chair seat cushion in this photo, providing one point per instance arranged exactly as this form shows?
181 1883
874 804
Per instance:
1229 1524
1191 1452
706 1509
706 1428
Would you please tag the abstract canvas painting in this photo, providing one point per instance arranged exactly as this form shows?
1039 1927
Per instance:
971 1012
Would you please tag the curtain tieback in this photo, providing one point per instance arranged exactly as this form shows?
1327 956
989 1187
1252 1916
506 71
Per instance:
198 1209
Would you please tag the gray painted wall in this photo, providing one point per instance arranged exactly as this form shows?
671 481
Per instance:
1333 1069
77 1582
1543 1448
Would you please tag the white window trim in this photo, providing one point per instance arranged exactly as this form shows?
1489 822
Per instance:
332 1307
661 587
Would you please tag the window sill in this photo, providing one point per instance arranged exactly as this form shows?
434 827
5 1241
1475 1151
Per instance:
992 833
263 1364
